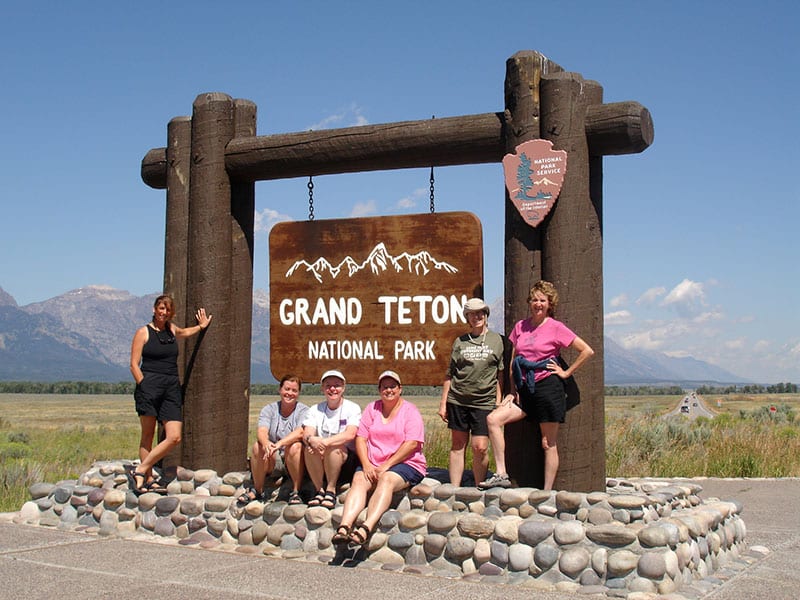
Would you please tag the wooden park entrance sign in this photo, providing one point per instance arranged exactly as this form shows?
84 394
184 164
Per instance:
366 295
213 159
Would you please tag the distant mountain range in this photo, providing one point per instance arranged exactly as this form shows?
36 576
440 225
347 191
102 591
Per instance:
85 335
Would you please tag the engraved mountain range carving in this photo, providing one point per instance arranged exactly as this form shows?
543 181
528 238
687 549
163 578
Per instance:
379 260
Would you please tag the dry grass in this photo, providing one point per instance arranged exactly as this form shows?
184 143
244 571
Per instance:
46 437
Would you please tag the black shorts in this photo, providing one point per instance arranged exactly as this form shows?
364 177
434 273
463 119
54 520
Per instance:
548 403
159 396
467 418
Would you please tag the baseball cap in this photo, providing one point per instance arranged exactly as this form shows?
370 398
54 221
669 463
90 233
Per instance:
391 374
332 373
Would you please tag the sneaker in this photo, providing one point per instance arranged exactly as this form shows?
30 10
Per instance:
495 480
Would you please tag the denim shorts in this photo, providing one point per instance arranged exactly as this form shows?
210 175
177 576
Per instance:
409 474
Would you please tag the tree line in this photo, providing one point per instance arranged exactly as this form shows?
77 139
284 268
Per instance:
357 389
676 390
777 388
126 387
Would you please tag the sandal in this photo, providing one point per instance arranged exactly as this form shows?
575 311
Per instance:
357 538
248 496
317 500
328 500
155 486
294 498
133 477
342 536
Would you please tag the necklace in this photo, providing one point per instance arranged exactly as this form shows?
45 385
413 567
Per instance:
475 339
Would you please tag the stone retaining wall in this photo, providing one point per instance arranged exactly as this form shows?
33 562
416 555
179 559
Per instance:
637 536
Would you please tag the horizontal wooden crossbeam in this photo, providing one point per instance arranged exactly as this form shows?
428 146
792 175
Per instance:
611 129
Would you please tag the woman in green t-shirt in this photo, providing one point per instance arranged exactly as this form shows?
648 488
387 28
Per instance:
471 390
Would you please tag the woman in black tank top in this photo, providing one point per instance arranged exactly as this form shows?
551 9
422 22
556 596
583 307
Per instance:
158 395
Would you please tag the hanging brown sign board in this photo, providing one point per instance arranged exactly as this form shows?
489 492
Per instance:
365 295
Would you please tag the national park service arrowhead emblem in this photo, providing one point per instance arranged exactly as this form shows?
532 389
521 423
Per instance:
534 175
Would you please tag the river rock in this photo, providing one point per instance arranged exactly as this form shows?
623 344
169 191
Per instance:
613 534
533 532
506 529
569 532
573 561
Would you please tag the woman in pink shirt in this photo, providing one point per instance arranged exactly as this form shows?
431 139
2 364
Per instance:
389 446
540 337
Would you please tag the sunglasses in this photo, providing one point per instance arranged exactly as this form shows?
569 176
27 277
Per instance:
165 337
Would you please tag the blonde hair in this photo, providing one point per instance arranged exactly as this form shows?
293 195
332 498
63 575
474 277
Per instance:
549 290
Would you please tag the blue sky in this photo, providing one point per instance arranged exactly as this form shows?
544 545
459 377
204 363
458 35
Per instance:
700 241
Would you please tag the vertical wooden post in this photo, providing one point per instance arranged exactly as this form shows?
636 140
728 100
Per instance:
208 410
572 258
523 264
243 204
176 246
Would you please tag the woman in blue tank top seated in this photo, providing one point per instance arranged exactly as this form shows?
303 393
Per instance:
158 394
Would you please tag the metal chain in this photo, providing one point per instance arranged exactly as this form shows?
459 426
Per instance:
310 198
433 204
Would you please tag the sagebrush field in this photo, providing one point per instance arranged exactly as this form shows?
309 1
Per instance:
49 437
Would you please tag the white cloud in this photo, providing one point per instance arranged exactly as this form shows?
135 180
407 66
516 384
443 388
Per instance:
764 345
651 295
686 293
712 315
644 340
411 200
363 209
737 344
265 219
618 301
619 317
349 116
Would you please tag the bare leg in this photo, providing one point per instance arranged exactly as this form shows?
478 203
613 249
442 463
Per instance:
356 499
293 458
497 419
549 440
480 457
260 466
315 468
148 425
333 461
172 437
381 499
457 451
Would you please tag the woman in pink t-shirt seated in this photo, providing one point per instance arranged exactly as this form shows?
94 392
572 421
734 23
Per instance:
389 445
